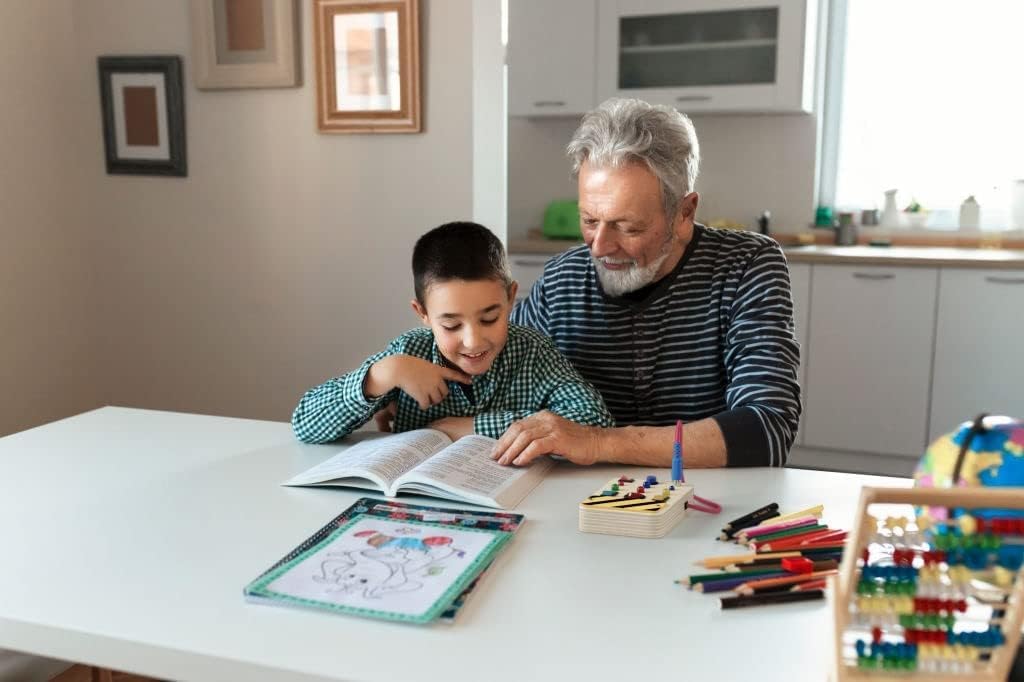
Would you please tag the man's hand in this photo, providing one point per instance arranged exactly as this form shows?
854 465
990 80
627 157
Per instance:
546 433
454 427
421 379
385 417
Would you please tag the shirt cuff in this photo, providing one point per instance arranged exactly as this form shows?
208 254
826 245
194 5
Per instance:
353 390
746 444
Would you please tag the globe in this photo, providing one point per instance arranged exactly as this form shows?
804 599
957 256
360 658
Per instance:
994 457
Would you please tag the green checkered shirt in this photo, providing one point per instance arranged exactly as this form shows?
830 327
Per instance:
528 375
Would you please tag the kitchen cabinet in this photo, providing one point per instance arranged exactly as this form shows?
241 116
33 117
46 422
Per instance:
800 282
709 55
551 57
869 360
526 269
979 335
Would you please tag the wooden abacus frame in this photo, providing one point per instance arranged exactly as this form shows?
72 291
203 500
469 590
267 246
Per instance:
866 525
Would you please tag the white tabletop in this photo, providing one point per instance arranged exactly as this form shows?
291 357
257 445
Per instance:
127 536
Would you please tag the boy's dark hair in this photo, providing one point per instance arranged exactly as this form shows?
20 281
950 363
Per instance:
459 250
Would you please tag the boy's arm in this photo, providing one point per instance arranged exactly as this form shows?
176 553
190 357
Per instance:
561 391
338 406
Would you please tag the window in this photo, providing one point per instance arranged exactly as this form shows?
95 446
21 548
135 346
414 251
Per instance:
926 97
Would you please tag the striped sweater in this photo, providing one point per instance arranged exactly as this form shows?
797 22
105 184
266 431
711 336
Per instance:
713 338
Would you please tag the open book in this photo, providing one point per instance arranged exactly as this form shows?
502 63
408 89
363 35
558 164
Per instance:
427 462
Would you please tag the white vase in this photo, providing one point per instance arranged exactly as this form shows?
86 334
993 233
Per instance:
970 214
890 212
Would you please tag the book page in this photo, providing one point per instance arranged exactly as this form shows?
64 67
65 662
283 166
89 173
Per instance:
466 467
385 458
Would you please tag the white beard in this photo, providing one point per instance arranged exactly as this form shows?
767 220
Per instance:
619 282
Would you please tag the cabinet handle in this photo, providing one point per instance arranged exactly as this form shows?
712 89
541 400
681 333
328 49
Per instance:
874 275
693 98
1004 280
549 103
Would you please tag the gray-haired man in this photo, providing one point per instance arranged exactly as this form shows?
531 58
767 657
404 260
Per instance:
669 319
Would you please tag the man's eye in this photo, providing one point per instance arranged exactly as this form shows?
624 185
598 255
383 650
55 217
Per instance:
589 221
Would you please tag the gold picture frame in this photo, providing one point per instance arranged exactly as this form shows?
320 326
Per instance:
367 55
245 44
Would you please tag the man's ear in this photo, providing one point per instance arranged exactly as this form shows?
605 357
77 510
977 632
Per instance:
420 311
512 290
688 206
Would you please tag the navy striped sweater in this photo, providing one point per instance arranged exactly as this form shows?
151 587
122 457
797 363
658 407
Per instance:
713 338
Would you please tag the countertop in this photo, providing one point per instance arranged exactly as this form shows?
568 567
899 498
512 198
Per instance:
924 256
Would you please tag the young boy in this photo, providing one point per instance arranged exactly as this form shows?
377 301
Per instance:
470 371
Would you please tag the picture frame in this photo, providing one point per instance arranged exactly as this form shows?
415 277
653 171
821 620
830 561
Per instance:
245 44
143 112
367 56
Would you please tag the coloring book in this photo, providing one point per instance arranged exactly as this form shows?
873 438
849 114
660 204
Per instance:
427 462
389 560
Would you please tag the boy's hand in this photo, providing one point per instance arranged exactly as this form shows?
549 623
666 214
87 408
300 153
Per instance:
385 417
454 427
421 379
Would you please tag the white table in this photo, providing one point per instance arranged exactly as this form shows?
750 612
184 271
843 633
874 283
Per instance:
127 537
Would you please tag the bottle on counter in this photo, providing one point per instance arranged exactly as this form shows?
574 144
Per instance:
970 214
891 212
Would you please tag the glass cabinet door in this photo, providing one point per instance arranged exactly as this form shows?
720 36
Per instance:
687 49
709 55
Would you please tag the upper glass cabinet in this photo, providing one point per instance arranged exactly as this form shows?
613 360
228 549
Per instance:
706 55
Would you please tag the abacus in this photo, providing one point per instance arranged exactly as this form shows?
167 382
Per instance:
931 585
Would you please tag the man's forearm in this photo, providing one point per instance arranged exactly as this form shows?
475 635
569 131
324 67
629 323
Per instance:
703 445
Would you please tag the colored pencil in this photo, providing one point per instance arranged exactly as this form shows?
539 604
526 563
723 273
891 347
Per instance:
775 598
751 533
719 561
792 532
704 577
813 540
756 515
810 511
809 585
749 587
731 582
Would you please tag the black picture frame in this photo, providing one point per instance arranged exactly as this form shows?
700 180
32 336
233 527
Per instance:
175 163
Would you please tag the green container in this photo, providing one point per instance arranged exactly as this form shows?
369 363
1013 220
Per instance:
562 220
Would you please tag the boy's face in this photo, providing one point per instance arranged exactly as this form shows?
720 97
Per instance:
469 320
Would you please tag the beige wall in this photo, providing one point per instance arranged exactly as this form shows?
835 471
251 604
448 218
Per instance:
281 260
48 365
749 164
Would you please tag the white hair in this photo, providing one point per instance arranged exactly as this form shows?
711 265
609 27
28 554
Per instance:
622 131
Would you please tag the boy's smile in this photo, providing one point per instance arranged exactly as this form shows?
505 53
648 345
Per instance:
469 319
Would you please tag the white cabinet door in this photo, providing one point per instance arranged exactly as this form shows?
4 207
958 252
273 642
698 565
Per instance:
870 357
979 347
551 57
709 55
800 281
526 269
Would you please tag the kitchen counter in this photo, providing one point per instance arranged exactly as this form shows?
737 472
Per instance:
925 256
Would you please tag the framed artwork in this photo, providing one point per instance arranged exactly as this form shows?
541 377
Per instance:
367 55
143 115
245 44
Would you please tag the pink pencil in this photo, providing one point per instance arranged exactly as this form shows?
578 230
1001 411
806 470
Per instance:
774 528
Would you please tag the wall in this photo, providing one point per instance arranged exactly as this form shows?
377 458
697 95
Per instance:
749 164
48 359
282 259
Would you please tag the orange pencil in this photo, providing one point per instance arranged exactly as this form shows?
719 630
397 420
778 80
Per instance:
749 587
809 585
722 561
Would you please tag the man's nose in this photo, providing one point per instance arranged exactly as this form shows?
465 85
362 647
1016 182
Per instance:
604 243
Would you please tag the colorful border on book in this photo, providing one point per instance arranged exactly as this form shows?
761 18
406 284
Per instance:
259 587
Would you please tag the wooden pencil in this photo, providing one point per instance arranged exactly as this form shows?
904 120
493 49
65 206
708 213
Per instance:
775 598
750 586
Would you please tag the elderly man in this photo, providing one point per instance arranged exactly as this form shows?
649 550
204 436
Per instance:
669 319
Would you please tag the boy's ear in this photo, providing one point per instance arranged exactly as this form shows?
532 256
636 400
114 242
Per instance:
513 289
420 311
